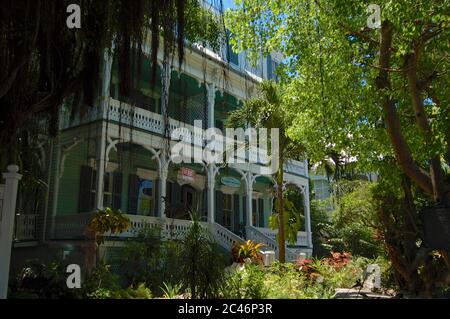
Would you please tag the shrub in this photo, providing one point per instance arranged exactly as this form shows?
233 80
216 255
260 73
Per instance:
202 264
246 284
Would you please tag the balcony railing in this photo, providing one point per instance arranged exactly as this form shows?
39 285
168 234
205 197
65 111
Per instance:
154 123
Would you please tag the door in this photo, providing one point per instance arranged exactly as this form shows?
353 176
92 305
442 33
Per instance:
188 200
227 211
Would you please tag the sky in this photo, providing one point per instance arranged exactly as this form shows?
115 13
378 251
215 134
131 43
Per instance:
228 4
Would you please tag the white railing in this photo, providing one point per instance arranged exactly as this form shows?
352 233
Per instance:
256 235
296 167
26 227
71 226
135 116
302 237
225 237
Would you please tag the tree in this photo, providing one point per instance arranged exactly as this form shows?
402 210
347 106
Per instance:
268 111
367 93
44 62
377 96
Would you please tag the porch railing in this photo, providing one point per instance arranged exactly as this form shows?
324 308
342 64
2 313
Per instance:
257 235
26 227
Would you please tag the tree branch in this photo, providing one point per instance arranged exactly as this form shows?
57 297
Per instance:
399 144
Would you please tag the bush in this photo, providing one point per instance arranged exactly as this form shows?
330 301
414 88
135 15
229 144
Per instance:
202 264
246 284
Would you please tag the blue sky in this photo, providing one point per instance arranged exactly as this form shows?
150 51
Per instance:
228 4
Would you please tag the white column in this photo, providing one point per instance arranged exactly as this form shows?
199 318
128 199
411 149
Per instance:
100 166
211 192
212 170
56 179
307 216
162 185
7 225
106 83
211 95
249 203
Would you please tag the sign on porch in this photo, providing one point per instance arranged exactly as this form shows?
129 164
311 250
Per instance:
230 181
187 175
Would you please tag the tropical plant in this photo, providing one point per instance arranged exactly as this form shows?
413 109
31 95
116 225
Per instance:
268 111
106 221
171 291
249 249
294 216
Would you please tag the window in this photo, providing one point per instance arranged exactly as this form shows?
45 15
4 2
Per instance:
231 56
272 67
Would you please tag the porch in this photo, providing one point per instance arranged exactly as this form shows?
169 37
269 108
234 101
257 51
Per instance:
73 227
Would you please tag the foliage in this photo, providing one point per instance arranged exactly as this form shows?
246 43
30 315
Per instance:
202 266
171 291
268 110
246 284
320 223
108 221
294 215
148 259
306 279
355 92
248 249
353 225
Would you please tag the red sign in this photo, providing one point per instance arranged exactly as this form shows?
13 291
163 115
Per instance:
187 174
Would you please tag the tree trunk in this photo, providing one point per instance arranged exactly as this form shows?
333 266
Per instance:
401 149
280 209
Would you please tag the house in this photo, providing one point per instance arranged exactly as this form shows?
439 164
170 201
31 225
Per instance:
117 155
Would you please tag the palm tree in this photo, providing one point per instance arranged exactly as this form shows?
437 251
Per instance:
269 110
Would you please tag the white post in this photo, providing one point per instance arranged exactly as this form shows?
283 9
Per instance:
7 225
211 96
211 193
162 185
308 216
249 203
56 179
100 163
101 142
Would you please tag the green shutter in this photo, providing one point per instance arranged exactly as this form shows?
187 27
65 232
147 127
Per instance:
261 212
219 207
117 190
156 197
236 215
86 197
133 192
